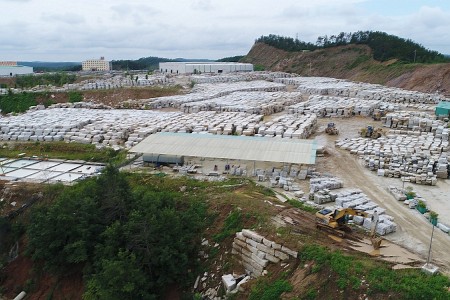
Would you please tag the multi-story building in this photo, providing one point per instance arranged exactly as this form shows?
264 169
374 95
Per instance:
96 65
8 63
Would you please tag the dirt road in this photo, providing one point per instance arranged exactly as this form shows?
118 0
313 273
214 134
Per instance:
414 231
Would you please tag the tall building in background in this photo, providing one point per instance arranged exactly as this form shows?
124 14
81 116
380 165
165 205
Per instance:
96 65
11 68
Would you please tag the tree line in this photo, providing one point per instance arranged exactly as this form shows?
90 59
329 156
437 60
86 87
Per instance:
384 46
56 79
144 63
131 242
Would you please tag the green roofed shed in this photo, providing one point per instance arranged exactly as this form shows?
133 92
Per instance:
443 108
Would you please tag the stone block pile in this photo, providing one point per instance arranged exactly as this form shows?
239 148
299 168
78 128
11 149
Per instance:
320 189
288 126
96 126
416 158
118 81
356 199
398 194
126 128
233 77
365 91
207 91
256 252
265 103
415 121
332 106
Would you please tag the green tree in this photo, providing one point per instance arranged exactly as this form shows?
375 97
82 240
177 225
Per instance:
114 190
75 96
65 233
119 278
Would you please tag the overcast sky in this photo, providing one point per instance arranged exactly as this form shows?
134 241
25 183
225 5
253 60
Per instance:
61 30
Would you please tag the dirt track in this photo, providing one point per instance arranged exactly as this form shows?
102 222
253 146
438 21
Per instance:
414 230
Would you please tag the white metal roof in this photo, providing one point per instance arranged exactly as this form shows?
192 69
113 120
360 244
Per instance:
295 151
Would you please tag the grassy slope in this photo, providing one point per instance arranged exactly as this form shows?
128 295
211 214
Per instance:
239 203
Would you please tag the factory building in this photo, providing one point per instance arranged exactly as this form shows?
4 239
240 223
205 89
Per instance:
11 68
203 67
96 65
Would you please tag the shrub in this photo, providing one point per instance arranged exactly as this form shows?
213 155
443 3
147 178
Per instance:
75 97
233 223
263 290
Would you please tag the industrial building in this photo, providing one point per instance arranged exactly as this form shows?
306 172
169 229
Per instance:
203 67
11 68
96 65
166 147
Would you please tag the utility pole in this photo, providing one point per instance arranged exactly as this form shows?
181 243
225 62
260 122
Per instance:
415 53
429 250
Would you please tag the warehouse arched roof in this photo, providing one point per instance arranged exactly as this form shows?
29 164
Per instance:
283 150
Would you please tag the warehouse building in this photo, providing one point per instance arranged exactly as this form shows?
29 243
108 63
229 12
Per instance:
203 67
96 65
11 68
253 152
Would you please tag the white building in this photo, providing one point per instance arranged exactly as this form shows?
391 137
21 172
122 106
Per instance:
203 67
11 68
96 65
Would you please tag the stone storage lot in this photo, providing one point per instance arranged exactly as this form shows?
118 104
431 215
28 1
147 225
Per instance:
415 150
329 189
116 128
413 230
331 106
265 103
239 77
207 91
365 91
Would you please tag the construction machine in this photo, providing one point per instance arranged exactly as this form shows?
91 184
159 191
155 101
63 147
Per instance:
371 132
331 129
336 220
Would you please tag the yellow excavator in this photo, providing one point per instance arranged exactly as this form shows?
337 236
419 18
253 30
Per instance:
336 221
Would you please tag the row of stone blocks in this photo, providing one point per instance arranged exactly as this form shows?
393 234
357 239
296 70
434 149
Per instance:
256 251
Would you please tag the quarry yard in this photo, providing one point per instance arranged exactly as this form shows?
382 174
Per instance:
344 170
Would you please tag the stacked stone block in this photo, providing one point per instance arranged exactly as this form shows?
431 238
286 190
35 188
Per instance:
256 252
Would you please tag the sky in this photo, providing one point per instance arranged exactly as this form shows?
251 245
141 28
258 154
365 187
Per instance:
62 30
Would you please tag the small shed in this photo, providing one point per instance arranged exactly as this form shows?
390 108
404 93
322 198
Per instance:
443 109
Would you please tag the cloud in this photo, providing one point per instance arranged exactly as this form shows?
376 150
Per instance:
203 5
430 18
68 18
196 28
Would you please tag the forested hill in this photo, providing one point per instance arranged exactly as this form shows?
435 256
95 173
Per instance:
336 57
384 46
